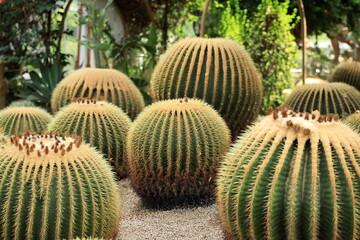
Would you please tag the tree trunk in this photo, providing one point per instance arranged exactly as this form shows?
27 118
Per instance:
3 85
203 18
303 38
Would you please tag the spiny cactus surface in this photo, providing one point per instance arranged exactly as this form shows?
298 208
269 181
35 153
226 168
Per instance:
101 124
353 121
347 72
328 98
15 120
99 84
218 71
174 148
22 103
55 187
292 176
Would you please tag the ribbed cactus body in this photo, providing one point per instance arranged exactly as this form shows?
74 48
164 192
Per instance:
15 120
101 124
347 72
99 84
353 121
55 188
218 71
292 176
328 98
22 103
174 148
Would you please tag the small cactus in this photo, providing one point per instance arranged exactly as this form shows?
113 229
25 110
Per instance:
174 148
292 176
219 71
99 84
55 187
22 103
347 72
15 120
353 121
328 98
101 124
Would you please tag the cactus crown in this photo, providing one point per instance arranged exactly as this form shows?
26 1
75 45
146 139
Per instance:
22 103
328 98
347 72
292 168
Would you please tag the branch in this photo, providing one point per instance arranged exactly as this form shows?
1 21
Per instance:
203 18
303 38
62 26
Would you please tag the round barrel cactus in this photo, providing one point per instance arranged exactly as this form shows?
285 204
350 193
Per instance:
219 71
328 98
353 121
99 84
174 148
15 120
292 176
22 103
101 124
55 187
347 72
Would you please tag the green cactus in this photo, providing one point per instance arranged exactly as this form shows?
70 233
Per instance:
101 124
54 187
99 84
174 148
15 120
292 176
353 121
347 72
328 98
219 71
22 103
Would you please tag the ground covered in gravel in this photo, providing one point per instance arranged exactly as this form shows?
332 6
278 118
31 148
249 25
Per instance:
139 222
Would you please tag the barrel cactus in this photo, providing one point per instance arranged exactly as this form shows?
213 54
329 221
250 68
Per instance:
22 103
328 98
55 187
347 72
15 120
101 124
292 176
219 71
353 121
174 148
99 84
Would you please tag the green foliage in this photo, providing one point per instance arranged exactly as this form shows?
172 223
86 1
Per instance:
292 176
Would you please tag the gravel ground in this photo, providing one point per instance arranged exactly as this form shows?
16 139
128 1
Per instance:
139 222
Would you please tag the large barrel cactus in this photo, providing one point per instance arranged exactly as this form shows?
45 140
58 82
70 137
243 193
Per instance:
328 98
174 148
101 124
15 120
99 84
219 71
353 121
347 72
55 187
292 176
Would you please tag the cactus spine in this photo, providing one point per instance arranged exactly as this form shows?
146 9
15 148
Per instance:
54 187
99 84
101 124
328 98
292 176
219 71
15 120
347 72
174 148
353 121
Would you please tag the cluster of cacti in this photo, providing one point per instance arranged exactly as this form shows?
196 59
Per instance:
99 84
101 124
174 148
292 176
219 71
347 72
328 98
55 187
15 120
353 121
22 103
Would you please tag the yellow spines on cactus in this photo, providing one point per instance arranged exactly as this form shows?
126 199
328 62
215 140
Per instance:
15 120
219 71
55 187
347 72
101 124
292 176
99 84
328 98
353 121
174 148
